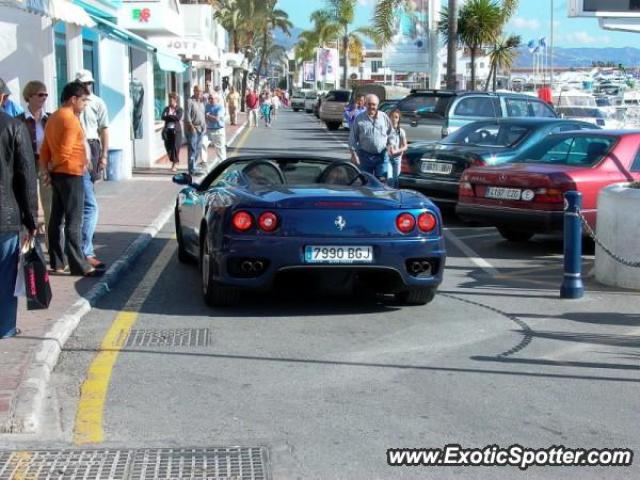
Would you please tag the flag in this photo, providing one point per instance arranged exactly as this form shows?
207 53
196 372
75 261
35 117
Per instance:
532 45
543 42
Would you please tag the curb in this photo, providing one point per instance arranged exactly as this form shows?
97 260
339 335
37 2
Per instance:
31 393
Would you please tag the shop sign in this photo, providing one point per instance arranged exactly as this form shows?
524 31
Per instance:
142 15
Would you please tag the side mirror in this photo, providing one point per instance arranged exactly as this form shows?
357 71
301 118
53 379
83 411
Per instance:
182 179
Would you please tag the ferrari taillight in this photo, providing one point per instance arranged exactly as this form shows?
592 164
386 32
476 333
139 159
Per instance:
268 221
405 222
427 222
242 221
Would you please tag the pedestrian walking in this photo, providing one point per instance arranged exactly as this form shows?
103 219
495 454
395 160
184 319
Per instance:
63 164
215 113
265 107
275 100
397 146
172 130
285 99
252 102
35 118
352 111
233 104
94 119
10 107
195 126
18 207
369 139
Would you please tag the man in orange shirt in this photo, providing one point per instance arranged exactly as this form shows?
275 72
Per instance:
63 162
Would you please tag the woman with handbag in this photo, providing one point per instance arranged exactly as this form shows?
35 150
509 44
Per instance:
172 130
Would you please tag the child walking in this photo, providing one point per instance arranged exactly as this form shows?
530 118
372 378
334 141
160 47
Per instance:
397 146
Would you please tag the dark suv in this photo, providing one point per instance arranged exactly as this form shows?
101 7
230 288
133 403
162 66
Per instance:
434 114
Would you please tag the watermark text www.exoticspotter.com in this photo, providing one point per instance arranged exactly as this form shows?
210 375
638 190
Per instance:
515 455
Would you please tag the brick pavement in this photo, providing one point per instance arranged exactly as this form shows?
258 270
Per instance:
151 192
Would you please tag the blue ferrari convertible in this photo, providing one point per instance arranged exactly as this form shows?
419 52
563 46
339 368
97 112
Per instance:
254 223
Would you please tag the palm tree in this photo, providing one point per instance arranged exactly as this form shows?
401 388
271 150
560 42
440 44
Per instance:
237 17
502 55
271 19
480 23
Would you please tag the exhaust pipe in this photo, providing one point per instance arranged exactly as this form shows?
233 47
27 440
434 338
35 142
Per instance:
246 266
416 267
258 266
426 267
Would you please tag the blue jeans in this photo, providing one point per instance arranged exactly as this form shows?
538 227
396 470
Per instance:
374 163
8 272
394 171
194 147
89 216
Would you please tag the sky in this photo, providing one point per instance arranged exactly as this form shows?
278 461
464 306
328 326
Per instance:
531 21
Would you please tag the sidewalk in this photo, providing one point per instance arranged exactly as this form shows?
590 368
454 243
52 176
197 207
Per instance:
26 361
231 130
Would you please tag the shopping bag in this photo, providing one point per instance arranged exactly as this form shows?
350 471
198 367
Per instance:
19 290
36 279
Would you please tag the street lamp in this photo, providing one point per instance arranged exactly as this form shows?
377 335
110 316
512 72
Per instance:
551 50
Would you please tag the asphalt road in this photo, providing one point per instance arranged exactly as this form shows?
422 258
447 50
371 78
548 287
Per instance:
329 384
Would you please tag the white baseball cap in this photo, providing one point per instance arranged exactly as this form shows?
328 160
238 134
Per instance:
85 76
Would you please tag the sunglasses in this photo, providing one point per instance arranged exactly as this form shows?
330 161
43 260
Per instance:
42 95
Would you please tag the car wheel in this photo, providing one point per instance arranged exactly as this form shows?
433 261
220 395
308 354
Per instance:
416 296
183 255
215 294
514 235
296 109
333 125
309 111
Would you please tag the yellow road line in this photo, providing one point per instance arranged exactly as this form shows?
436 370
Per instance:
243 138
19 463
95 388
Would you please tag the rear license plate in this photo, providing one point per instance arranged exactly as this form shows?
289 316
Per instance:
338 254
503 193
428 166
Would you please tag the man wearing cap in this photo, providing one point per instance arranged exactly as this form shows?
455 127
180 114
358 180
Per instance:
95 123
18 207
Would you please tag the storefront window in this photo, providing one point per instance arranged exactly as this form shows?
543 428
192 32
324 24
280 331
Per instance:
159 90
89 61
61 62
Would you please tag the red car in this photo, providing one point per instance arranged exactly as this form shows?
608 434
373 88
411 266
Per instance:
526 195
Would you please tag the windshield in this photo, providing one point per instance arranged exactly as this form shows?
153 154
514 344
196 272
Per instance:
488 135
583 151
337 96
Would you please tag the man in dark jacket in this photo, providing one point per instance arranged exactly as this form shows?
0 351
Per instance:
18 206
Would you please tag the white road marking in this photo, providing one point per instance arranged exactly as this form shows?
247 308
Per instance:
477 235
474 257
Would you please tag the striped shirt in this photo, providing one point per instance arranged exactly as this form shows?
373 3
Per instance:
370 134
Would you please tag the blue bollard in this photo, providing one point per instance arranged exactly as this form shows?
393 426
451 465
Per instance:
572 286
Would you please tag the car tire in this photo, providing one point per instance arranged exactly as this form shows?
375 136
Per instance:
515 235
333 125
296 109
309 111
183 255
215 294
416 296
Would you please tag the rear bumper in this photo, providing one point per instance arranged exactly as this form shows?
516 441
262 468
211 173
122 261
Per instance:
438 190
282 255
331 117
537 221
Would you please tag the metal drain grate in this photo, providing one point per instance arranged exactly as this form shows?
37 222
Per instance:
182 337
232 463
65 465
207 463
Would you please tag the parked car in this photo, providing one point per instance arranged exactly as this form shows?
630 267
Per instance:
332 108
297 100
310 99
526 195
434 114
389 96
256 221
316 105
434 168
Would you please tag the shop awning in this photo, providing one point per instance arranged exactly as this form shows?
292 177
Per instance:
67 12
170 63
61 10
112 30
